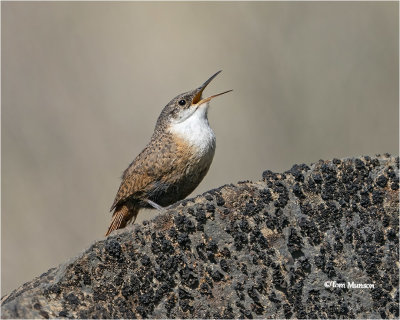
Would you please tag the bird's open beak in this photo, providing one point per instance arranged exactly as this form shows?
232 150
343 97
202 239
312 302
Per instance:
197 98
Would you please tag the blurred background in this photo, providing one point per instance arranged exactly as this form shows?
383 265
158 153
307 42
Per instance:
84 82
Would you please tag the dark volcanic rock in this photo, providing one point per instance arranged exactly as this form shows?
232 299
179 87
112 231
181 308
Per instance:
277 248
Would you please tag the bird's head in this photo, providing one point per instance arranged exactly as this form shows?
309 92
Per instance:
187 105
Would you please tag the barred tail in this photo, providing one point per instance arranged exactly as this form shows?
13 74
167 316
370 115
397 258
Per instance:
121 217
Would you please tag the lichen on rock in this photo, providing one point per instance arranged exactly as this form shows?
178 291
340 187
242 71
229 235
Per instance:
280 247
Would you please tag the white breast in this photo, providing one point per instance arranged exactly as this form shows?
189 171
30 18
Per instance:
196 131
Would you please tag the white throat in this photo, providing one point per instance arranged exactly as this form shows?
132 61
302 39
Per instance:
196 131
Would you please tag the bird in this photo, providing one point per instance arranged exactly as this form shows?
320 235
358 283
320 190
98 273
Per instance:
173 163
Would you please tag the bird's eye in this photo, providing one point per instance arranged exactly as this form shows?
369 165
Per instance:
182 102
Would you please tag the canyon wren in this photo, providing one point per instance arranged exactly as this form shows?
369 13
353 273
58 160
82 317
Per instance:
174 162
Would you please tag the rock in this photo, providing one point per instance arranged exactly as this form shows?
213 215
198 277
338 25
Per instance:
285 246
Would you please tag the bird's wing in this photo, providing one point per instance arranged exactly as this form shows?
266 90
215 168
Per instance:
158 162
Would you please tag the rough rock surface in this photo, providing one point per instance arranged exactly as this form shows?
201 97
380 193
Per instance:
261 249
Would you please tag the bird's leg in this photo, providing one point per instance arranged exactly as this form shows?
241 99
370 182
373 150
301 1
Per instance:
155 205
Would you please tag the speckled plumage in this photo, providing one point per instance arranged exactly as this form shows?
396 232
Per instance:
164 167
174 162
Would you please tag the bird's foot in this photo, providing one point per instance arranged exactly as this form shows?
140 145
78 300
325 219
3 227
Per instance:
155 205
